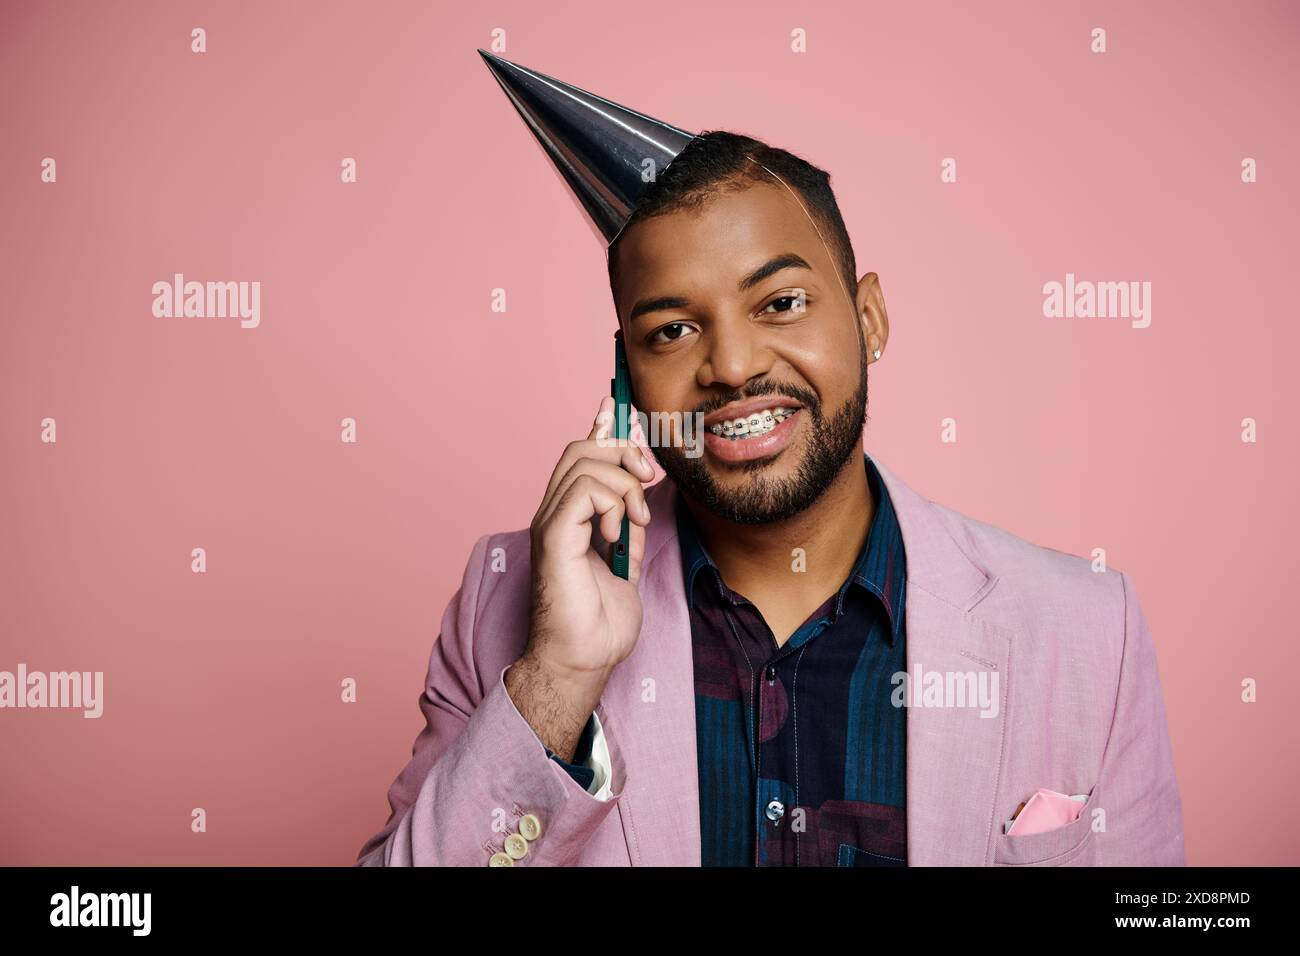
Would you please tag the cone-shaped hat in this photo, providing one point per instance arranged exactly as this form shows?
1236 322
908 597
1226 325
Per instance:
599 147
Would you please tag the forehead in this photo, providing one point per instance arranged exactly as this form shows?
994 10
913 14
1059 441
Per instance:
706 250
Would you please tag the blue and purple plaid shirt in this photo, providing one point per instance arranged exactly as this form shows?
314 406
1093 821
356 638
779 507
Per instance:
801 754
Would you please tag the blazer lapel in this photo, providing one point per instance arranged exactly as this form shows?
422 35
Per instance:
954 754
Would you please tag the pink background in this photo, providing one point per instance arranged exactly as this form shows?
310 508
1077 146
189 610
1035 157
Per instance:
328 560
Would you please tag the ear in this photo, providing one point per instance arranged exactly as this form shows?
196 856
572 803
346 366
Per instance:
870 303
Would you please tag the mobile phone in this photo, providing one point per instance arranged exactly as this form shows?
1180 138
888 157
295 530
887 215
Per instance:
621 388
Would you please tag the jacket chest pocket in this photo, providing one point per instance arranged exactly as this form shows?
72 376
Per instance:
1074 844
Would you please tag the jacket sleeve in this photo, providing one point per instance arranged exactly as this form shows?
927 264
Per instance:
477 767
1137 786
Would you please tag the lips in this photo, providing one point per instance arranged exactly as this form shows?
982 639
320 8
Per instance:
766 445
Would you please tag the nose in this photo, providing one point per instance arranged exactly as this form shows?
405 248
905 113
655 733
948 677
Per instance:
736 354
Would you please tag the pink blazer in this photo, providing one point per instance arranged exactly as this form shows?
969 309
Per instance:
1080 711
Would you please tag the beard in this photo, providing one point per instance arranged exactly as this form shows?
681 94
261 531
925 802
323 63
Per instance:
831 442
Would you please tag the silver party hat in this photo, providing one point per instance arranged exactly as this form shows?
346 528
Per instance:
599 147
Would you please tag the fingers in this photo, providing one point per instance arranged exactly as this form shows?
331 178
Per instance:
614 479
581 501
629 454
596 483
604 422
636 551
635 543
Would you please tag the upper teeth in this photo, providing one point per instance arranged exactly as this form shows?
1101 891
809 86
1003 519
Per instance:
758 423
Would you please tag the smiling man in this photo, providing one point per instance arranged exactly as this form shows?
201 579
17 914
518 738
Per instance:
810 664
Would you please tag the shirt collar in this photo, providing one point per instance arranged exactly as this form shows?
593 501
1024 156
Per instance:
881 567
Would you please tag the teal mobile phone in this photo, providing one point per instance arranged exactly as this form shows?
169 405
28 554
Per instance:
621 388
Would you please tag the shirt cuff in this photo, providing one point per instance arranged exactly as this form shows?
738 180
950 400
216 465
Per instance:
581 770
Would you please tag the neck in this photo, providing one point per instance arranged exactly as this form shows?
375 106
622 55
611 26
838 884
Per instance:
758 559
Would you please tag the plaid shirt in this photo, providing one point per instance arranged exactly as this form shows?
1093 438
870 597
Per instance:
801 754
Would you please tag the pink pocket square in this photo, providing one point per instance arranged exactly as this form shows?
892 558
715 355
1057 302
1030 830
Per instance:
1045 810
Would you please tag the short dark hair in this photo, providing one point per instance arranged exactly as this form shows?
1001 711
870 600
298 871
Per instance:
716 160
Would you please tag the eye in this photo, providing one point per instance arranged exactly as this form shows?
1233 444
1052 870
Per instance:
670 333
793 303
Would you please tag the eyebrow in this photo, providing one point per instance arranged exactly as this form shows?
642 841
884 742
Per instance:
786 260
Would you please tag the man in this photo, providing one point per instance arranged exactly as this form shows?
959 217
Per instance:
809 663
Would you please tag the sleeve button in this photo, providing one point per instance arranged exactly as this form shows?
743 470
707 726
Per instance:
500 859
530 827
516 846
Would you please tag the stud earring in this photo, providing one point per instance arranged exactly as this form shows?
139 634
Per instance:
876 353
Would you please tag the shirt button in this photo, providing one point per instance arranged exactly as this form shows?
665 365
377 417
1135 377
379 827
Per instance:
516 846
771 672
500 859
775 810
530 827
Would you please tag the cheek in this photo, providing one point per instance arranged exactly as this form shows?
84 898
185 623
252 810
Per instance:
665 383
828 362
648 398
